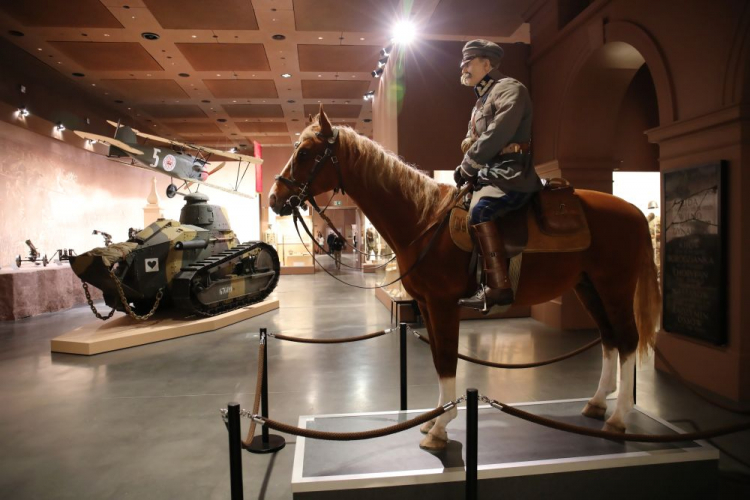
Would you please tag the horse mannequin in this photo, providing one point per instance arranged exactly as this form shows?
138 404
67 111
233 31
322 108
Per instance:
615 277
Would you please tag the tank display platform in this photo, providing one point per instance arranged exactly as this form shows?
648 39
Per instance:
121 332
517 460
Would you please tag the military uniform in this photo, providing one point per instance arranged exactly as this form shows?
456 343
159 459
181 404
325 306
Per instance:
497 159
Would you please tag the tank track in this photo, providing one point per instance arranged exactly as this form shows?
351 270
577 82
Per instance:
185 283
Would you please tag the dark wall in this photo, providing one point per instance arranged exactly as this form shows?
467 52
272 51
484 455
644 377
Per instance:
54 97
435 109
639 112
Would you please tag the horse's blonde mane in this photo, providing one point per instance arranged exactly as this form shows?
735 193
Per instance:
378 167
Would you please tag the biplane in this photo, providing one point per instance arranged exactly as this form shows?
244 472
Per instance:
186 162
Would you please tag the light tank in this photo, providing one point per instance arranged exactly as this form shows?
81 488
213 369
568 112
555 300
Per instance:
196 265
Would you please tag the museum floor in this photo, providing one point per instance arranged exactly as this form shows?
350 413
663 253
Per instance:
144 422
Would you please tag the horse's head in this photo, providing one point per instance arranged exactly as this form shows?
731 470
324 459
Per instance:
312 169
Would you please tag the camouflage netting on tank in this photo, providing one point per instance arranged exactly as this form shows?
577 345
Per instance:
114 252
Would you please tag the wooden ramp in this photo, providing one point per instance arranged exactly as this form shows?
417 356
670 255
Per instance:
122 332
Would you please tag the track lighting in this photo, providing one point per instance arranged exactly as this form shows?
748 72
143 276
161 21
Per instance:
376 73
386 51
23 112
60 127
382 61
369 96
233 150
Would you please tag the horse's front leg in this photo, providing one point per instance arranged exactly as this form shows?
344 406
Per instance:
442 324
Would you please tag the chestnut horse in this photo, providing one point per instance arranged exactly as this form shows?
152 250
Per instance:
615 278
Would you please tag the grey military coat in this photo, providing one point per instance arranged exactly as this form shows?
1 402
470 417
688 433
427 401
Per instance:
501 116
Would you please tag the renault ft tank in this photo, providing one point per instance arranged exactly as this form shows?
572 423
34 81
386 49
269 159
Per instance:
195 264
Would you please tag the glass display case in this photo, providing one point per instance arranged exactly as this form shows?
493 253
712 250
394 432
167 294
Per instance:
292 251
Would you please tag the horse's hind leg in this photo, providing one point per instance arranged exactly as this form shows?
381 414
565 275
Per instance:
625 397
597 405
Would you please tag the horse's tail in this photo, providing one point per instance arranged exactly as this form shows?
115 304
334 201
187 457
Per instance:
647 300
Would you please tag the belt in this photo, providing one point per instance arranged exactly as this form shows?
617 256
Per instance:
516 147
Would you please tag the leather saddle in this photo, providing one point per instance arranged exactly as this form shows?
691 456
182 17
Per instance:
553 221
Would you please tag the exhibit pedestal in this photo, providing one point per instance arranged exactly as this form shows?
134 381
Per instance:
122 332
517 459
32 290
297 270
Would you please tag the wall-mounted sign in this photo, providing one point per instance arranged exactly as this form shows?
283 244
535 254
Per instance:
694 274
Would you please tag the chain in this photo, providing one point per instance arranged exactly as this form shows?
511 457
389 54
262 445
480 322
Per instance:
125 303
91 304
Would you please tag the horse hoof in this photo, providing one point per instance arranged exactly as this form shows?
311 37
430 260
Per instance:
593 411
614 427
431 443
427 426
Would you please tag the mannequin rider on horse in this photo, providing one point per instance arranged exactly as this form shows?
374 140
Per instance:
497 161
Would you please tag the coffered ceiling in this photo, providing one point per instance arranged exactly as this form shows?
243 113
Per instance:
215 72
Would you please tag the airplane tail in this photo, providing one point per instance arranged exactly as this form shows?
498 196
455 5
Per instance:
124 134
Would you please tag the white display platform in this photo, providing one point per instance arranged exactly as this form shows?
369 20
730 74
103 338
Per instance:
517 460
121 331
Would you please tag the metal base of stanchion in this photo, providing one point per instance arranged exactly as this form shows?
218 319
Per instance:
274 443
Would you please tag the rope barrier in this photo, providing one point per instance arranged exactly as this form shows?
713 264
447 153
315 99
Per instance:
614 436
533 364
256 402
304 340
353 436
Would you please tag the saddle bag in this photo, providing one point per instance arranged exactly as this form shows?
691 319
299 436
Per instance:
558 209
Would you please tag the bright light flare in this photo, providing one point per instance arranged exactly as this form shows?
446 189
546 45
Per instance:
404 32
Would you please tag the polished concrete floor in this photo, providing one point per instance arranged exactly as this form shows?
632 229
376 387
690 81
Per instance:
144 422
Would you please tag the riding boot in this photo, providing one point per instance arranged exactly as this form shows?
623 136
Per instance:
497 291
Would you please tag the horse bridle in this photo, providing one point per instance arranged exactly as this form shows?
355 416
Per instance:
302 194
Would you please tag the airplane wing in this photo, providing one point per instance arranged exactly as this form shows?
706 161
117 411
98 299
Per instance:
222 188
217 152
108 141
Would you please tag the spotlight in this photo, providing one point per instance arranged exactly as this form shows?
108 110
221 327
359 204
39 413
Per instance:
376 73
23 112
93 141
404 32
369 96
233 150
386 51
60 127
286 75
382 61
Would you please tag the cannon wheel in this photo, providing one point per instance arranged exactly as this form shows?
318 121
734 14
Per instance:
171 191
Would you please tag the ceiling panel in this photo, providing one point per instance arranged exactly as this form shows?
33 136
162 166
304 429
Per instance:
203 15
262 127
225 56
354 58
109 56
477 17
245 89
335 110
147 90
193 128
71 14
352 15
272 139
254 110
174 111
334 89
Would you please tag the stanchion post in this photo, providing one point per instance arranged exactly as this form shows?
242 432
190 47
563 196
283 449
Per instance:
265 443
402 328
635 383
235 450
472 435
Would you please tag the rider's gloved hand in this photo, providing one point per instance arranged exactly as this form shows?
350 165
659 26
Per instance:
458 177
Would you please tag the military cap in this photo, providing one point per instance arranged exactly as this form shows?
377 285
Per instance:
482 48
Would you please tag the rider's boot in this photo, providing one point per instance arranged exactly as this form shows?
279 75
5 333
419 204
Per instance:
497 291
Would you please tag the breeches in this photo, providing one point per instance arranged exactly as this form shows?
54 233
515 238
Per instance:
490 202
